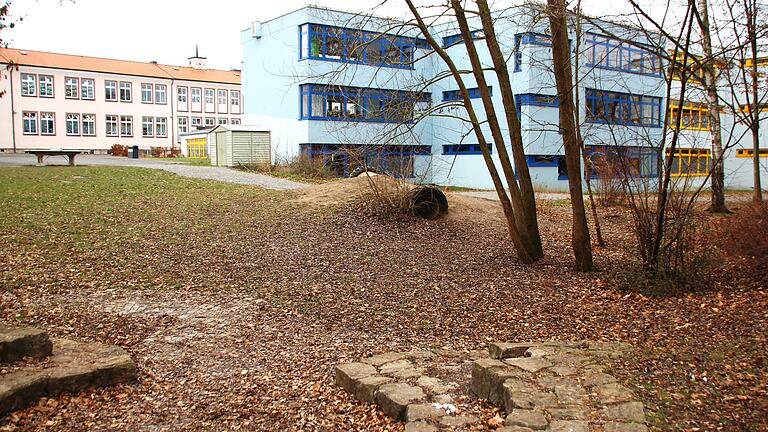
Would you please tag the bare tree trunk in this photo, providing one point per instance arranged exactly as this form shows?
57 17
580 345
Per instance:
710 85
750 8
582 247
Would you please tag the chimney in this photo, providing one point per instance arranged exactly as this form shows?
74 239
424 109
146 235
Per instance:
197 62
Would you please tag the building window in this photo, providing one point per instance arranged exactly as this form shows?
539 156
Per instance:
234 101
111 125
196 122
29 122
348 45
622 108
160 94
235 121
606 52
126 126
181 98
183 125
87 89
210 100
125 91
761 107
46 86
465 149
394 160
222 101
743 152
533 99
690 162
28 85
322 102
223 121
89 124
47 123
695 115
146 93
110 90
554 161
161 129
690 66
621 161
457 39
147 125
210 121
455 95
73 124
531 38
197 98
71 88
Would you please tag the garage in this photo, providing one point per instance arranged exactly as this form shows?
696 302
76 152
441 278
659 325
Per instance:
233 145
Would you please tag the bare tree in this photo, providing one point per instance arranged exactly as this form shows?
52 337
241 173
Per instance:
580 241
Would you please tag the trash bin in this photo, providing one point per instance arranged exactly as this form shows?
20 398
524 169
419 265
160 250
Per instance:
133 152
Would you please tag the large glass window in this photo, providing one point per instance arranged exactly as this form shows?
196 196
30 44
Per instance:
321 102
221 97
110 90
465 149
622 108
693 115
197 98
161 129
690 162
620 161
111 125
47 123
457 39
125 91
29 122
126 126
147 126
71 88
210 100
146 93
610 53
234 101
89 124
455 95
183 125
324 42
28 85
73 124
87 89
160 94
46 85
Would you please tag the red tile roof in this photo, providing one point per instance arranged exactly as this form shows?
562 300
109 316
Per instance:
125 67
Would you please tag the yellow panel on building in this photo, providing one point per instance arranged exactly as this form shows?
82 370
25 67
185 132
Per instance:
196 148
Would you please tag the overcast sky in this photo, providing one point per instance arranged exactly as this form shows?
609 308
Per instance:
161 30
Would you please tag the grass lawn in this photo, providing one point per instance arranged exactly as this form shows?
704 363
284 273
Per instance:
235 302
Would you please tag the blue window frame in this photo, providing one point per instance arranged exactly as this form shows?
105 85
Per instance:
606 52
622 108
534 99
533 38
324 42
465 149
455 95
343 159
618 161
327 102
558 161
457 39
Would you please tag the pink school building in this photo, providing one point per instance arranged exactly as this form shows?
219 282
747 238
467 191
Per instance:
58 101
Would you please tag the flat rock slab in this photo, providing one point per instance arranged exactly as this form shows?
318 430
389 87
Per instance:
72 367
19 342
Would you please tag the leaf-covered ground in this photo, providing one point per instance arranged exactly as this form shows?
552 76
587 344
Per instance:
235 303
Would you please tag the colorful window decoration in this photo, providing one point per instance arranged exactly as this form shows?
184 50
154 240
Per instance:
690 162
693 115
323 42
743 152
325 102
622 108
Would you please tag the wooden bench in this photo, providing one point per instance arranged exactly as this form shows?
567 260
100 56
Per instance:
70 154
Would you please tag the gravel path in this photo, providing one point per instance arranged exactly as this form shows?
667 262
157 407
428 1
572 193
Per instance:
203 172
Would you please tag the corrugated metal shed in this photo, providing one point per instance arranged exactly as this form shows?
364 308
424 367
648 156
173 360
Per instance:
233 145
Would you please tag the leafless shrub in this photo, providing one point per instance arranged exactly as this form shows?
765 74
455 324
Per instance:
300 166
743 237
610 187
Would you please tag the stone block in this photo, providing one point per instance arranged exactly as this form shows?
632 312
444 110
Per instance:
568 413
366 387
529 364
568 426
419 426
434 385
612 393
488 375
395 367
458 421
393 398
625 427
570 394
528 400
514 429
19 342
422 411
502 350
592 379
627 411
532 419
348 375
385 358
